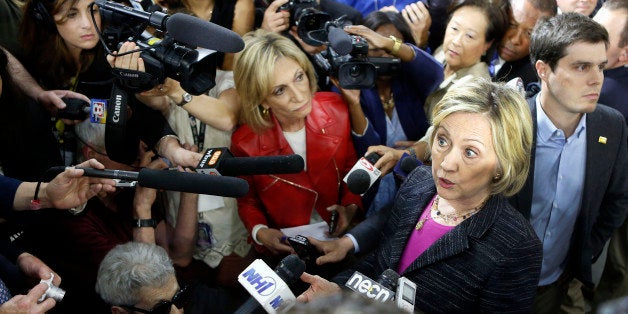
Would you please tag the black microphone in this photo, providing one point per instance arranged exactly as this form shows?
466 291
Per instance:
404 166
220 161
268 291
339 40
363 174
389 279
156 19
196 32
176 181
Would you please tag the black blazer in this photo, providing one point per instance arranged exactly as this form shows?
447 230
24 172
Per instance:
605 194
489 263
521 68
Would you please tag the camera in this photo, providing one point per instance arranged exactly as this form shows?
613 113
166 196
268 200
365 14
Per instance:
194 68
75 109
52 292
356 70
309 20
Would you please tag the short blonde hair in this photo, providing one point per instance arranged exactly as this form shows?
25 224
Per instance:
253 72
511 125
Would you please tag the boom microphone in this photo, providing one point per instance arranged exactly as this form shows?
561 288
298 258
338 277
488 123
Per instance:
269 288
177 181
155 19
196 32
339 40
182 27
363 174
220 161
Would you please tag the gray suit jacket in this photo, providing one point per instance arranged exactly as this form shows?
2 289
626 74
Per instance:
605 194
489 263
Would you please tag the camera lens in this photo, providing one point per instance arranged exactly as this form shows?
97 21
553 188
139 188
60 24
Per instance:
355 71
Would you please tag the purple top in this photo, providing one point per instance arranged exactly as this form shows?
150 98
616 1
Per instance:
420 240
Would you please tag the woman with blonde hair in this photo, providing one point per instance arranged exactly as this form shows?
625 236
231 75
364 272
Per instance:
283 115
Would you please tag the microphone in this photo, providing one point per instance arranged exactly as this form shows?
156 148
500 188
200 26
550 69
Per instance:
186 28
220 161
269 288
363 174
176 181
339 40
406 294
155 19
404 166
376 290
182 27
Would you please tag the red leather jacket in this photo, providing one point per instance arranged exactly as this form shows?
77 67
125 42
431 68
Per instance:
287 200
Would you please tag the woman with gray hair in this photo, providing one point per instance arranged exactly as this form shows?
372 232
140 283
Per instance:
139 277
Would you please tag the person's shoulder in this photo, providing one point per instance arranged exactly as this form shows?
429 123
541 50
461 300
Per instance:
243 135
331 103
607 112
511 222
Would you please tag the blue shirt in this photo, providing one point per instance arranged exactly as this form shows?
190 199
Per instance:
559 171
366 7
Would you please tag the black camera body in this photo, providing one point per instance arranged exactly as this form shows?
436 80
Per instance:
309 20
75 109
304 249
196 71
356 70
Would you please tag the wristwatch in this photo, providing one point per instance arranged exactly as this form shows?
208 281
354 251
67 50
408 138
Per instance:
140 223
186 99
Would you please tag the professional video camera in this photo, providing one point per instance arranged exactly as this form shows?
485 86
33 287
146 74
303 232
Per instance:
175 56
354 70
309 20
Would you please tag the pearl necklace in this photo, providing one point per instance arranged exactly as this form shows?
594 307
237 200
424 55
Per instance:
449 218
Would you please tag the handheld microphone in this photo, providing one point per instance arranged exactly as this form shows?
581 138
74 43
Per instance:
404 166
363 174
176 181
269 288
406 294
220 161
372 289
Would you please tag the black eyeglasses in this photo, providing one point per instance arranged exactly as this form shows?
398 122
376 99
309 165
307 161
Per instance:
180 299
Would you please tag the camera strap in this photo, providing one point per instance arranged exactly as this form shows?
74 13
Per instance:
119 146
135 81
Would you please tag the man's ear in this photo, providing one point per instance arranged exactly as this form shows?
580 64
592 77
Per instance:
623 56
542 69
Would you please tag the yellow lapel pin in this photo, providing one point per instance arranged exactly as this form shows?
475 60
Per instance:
602 140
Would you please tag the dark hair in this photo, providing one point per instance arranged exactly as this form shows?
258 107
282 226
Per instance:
551 36
377 19
497 15
613 5
546 6
44 48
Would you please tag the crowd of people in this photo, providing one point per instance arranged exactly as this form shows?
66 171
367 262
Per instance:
512 112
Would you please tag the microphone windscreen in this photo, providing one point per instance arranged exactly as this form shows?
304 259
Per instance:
240 166
359 181
290 268
340 41
193 183
389 279
408 164
196 32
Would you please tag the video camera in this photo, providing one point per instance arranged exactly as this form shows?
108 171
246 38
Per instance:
175 56
355 70
305 15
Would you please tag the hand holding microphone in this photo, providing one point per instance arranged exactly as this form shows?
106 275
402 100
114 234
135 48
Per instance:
319 287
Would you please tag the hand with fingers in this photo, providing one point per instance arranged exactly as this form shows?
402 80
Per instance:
272 239
334 250
274 20
319 287
418 18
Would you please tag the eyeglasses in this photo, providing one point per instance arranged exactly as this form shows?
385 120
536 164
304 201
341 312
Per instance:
180 299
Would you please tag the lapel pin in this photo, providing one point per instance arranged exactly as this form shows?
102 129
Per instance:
602 140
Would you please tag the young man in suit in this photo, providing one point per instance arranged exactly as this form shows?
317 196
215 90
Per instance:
576 194
513 58
613 16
